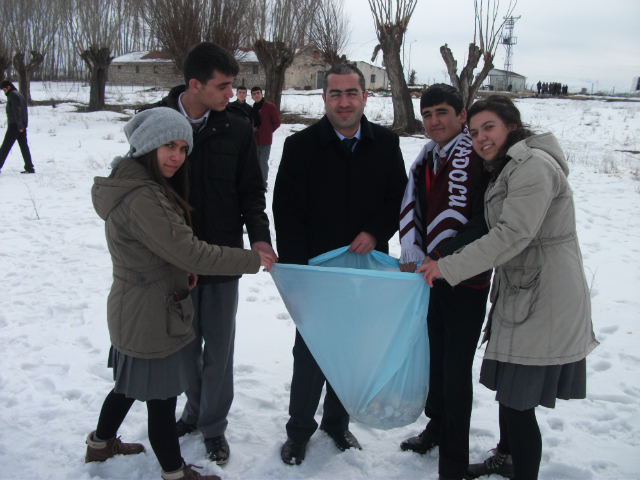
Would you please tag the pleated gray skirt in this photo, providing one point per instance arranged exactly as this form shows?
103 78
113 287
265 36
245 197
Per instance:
522 387
148 379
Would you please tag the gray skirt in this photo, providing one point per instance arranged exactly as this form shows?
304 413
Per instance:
523 387
148 379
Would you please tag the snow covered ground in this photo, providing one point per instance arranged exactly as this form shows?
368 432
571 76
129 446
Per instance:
56 270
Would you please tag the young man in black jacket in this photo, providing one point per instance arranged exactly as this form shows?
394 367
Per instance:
241 101
340 182
226 191
17 120
442 211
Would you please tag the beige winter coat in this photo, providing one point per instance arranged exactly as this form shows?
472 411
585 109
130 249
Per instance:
542 310
149 309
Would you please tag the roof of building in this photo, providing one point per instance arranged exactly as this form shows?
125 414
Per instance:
500 73
144 56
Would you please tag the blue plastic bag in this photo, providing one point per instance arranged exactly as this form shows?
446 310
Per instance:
364 321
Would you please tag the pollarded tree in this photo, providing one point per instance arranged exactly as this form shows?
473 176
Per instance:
391 19
180 24
330 32
31 29
279 27
94 26
488 29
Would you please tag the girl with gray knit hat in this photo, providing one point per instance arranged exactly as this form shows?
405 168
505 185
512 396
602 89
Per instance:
156 259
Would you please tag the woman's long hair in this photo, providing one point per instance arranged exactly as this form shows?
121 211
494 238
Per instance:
176 188
504 108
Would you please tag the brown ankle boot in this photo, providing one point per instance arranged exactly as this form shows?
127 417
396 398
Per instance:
188 474
101 451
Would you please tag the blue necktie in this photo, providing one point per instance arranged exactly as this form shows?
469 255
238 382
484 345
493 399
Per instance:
349 143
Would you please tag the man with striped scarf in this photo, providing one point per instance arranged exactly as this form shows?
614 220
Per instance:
442 211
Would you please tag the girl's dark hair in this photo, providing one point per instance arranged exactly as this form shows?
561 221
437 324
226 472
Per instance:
504 108
176 188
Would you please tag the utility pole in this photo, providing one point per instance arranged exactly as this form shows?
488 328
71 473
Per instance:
508 40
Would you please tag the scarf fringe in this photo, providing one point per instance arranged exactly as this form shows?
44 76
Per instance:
411 254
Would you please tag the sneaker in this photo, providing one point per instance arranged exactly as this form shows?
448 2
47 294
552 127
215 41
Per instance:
423 443
28 171
499 463
101 451
217 449
344 440
185 428
187 473
292 452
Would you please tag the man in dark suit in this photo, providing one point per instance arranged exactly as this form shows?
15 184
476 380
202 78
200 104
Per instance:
17 120
340 182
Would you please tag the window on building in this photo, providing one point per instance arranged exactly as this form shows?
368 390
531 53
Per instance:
155 69
137 68
373 79
255 69
119 67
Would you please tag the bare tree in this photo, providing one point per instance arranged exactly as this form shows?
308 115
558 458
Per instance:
330 31
31 28
488 29
391 19
278 29
181 24
5 49
94 26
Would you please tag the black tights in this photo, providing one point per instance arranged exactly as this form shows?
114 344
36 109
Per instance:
520 437
161 420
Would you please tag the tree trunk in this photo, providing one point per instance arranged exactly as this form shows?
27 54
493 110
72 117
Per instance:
274 57
24 71
404 118
465 83
5 63
98 61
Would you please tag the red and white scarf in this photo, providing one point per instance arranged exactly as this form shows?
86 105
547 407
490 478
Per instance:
411 216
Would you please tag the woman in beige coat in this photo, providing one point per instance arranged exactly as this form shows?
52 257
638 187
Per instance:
539 328
156 260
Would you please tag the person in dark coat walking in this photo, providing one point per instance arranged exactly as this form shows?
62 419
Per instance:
17 120
340 182
226 191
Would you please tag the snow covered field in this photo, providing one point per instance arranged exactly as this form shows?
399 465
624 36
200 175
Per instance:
56 270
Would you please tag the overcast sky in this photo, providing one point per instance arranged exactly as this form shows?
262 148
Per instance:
579 43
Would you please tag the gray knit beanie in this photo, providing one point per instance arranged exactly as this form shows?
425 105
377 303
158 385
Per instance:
152 128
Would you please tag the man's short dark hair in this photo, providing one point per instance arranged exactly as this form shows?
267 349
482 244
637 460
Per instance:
241 87
256 89
204 58
342 69
441 93
7 83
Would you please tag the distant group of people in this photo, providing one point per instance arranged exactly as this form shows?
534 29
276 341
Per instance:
484 194
552 88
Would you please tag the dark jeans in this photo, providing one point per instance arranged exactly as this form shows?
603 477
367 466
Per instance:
161 424
455 319
520 437
306 389
10 138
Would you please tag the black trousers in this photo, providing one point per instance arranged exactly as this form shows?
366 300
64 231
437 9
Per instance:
306 389
455 319
10 138
161 424
520 437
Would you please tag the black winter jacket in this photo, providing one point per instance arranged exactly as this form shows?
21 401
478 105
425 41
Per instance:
17 109
227 189
325 196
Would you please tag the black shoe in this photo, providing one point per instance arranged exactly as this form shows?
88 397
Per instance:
344 440
499 463
28 171
185 428
423 443
217 449
292 452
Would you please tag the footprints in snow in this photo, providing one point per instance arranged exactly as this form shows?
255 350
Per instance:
266 299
